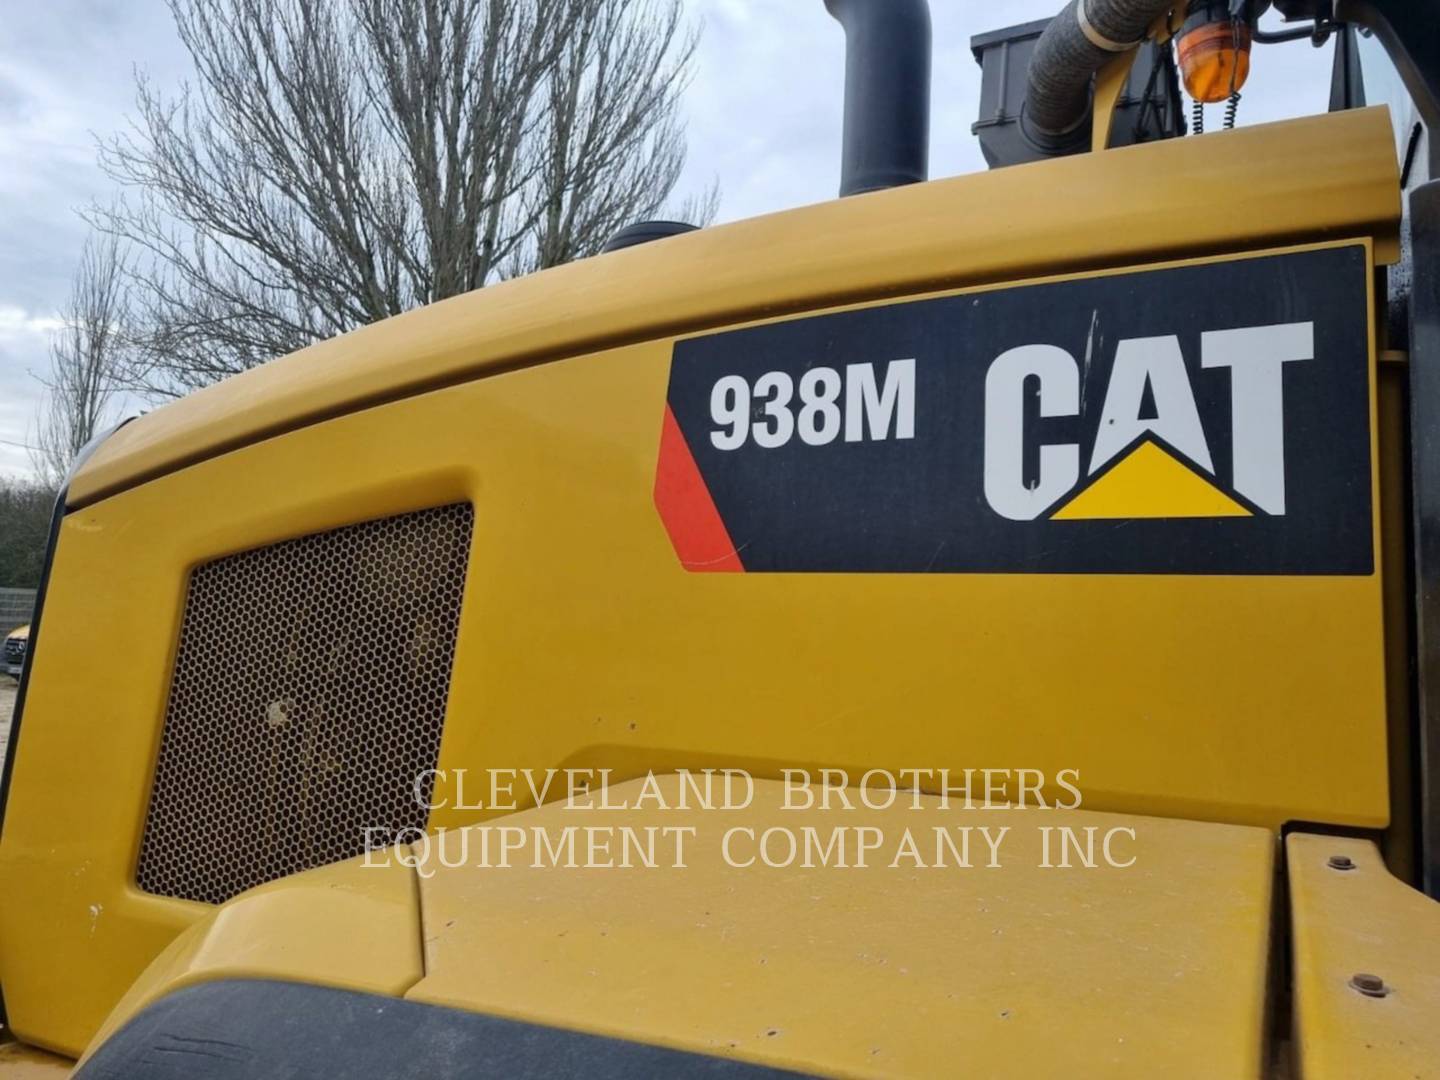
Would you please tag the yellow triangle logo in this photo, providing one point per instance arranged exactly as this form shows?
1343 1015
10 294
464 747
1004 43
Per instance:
1150 483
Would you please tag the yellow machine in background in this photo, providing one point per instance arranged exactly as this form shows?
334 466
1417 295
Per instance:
1094 468
14 656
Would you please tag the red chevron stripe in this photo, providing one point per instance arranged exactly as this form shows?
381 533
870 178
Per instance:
696 530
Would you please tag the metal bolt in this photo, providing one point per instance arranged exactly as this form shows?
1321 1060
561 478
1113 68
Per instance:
1369 985
1341 862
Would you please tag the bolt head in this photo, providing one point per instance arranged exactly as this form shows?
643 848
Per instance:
1369 985
1341 862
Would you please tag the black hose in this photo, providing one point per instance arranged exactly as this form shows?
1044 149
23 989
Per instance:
1083 38
887 92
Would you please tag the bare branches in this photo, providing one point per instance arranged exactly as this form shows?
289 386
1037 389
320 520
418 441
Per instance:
85 358
612 146
338 163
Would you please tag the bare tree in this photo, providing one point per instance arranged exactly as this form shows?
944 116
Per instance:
611 146
86 356
337 163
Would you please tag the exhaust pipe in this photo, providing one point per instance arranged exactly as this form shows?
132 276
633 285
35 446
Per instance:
887 93
1082 39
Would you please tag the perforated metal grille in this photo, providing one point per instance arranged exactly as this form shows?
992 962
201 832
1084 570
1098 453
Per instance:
308 695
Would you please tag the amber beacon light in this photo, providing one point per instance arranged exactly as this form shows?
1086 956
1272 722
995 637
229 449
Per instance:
1214 52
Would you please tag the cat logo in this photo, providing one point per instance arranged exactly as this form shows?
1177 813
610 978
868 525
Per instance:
1151 457
1211 418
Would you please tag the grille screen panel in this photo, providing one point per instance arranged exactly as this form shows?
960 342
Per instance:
308 695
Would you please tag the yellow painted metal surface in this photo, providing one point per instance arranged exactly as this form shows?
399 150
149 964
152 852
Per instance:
1157 968
584 643
1361 921
1109 85
349 926
1311 178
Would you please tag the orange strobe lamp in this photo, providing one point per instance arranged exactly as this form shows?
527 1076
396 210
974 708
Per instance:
1214 51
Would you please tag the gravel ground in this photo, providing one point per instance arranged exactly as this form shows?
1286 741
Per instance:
8 686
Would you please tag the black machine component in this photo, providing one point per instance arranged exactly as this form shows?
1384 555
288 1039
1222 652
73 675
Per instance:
243 1029
1347 87
887 93
643 232
1424 213
1149 108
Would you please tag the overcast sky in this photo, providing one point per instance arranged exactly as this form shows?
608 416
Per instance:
764 110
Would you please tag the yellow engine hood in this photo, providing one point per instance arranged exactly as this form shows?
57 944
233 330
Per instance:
1156 968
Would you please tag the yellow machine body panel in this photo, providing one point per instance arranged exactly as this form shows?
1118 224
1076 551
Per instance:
868 966
900 967
356 927
584 642
1351 922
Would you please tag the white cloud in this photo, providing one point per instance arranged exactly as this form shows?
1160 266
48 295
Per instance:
24 337
17 324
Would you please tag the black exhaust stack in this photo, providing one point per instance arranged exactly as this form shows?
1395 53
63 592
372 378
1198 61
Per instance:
887 93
